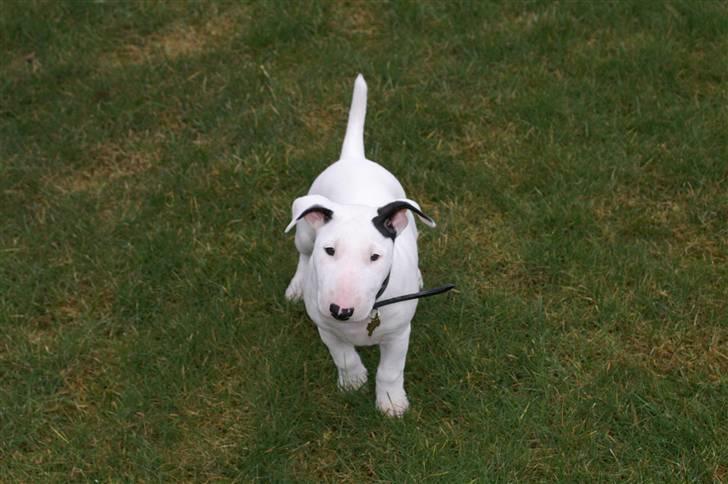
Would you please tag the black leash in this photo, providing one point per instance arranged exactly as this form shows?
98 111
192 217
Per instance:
374 317
426 293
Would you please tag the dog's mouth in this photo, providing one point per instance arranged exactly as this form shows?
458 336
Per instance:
349 317
349 320
342 314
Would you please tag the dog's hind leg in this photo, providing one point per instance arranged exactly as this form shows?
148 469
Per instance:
294 292
305 237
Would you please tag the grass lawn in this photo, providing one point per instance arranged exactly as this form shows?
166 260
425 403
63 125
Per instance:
574 154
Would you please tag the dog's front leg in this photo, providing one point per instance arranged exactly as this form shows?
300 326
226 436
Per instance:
391 397
352 373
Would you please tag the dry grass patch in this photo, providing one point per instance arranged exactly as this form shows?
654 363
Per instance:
478 138
486 145
88 383
355 17
181 40
317 460
324 124
488 246
213 420
610 43
700 350
23 67
112 161
673 215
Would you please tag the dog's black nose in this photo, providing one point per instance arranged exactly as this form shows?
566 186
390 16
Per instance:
342 314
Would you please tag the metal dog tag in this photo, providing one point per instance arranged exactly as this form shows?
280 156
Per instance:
374 322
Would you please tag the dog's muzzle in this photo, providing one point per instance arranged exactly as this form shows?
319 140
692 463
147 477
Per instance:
342 314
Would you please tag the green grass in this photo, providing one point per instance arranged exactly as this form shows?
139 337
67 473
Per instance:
574 155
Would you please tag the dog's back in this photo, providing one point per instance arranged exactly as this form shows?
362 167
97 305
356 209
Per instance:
354 180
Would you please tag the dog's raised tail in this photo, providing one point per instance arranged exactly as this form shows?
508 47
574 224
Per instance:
353 146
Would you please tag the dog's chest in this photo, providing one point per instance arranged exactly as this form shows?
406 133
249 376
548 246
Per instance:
364 333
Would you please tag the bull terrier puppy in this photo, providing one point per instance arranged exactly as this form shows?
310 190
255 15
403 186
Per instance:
357 243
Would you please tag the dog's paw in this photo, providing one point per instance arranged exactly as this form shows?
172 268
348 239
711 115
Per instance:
352 380
295 289
392 405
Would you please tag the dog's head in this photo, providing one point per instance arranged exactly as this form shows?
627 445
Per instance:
352 251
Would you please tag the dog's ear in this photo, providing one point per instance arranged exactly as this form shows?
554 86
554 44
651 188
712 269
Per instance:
392 219
314 209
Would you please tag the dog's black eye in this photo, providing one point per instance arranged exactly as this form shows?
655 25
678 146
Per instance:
330 250
374 257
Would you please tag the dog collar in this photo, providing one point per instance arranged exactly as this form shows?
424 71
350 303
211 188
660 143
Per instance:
384 286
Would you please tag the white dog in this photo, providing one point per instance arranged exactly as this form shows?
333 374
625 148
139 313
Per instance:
358 243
